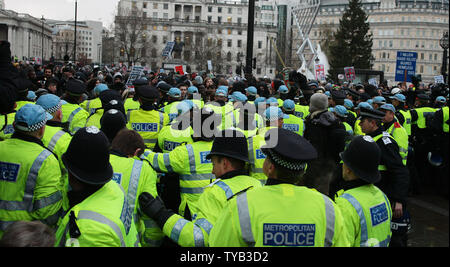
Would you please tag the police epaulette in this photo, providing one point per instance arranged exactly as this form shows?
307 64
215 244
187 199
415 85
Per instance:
240 192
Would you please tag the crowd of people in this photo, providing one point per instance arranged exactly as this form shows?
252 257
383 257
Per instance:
91 157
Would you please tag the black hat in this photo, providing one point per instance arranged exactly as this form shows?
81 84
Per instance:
288 149
423 97
116 104
119 86
108 95
75 87
147 92
371 113
163 86
353 93
363 156
80 76
87 157
112 122
140 82
365 96
232 144
337 94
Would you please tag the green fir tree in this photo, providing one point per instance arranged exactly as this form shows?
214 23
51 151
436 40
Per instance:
352 45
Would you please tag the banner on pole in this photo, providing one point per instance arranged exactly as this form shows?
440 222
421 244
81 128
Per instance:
135 74
350 73
406 66
320 72
179 69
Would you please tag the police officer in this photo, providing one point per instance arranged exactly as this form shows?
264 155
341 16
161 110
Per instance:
393 127
421 117
100 213
91 105
440 126
394 175
30 175
366 209
244 115
147 121
274 118
174 98
195 97
112 122
254 217
292 122
8 98
135 176
357 128
190 162
72 113
402 113
130 101
342 114
108 98
229 157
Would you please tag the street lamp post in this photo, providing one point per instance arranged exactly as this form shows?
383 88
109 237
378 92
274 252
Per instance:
43 20
444 44
75 41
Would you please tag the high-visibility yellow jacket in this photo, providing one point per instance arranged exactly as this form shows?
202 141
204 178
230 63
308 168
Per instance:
104 219
195 233
367 215
30 184
136 177
279 215
75 115
195 171
148 123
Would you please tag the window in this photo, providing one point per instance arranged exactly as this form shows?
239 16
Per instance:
209 19
229 42
239 43
166 6
154 39
229 19
239 21
259 44
229 31
144 5
219 9
230 10
155 15
219 20
229 56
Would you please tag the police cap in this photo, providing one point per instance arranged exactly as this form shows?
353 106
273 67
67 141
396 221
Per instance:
75 87
371 113
337 94
230 143
280 147
147 92
362 156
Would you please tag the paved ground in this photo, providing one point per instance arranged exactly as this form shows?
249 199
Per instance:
430 221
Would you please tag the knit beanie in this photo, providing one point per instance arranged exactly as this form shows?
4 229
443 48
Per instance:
318 102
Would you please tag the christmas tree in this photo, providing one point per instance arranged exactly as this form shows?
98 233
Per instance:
352 45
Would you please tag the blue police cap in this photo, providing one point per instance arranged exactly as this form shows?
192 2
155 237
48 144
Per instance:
340 111
272 100
251 90
220 92
283 89
441 99
49 102
174 92
31 117
100 88
364 105
399 97
192 90
379 100
274 113
388 107
289 105
31 95
348 103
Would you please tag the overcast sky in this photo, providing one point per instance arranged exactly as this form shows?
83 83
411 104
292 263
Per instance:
99 10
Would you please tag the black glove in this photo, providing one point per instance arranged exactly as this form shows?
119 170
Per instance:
154 208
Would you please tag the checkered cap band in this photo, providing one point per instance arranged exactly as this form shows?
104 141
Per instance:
55 108
294 166
31 128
